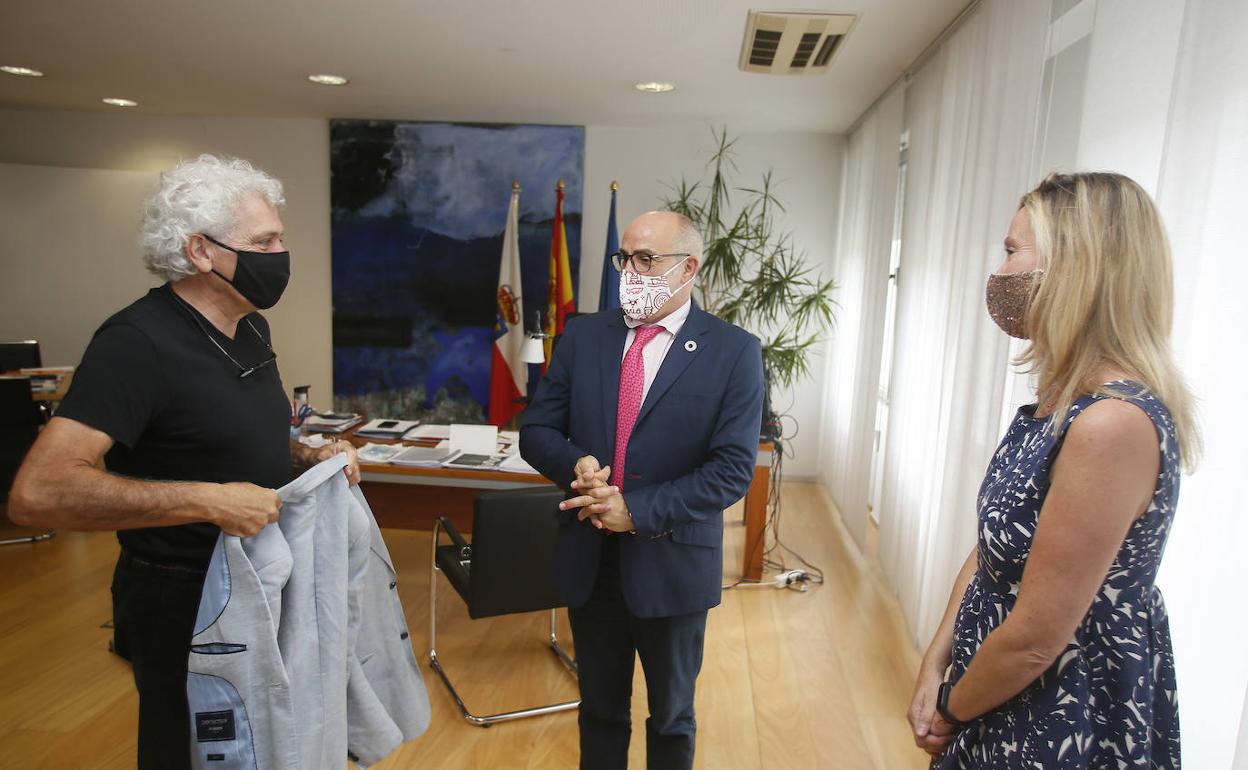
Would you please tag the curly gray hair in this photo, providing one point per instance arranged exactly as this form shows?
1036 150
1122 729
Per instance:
198 196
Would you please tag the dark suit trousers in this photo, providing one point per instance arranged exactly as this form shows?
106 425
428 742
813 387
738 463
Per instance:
154 610
607 638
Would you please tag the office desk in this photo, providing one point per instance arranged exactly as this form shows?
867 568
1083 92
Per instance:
411 498
756 497
65 376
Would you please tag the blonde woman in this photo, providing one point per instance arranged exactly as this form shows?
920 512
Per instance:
1056 640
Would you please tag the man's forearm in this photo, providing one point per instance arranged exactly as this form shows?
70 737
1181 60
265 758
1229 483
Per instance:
301 455
699 496
87 498
550 453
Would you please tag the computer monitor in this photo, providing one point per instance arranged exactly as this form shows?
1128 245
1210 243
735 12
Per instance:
19 354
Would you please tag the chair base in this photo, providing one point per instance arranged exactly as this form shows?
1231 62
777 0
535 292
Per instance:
51 533
537 711
489 719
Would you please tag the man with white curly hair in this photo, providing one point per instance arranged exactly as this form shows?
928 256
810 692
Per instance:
179 393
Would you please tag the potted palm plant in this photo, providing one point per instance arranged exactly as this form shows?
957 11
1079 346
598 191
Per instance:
751 273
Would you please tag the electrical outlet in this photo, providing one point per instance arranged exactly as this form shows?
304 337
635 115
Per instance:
785 579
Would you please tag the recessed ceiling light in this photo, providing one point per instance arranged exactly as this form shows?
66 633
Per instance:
328 80
655 88
114 101
25 72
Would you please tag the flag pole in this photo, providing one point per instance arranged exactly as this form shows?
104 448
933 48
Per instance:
609 284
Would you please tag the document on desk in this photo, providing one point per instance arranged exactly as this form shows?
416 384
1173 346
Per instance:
428 432
422 456
516 464
474 439
331 422
378 453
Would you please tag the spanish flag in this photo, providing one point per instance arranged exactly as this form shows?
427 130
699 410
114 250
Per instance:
559 296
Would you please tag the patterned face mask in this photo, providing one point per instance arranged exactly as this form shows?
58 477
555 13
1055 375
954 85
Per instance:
1009 298
641 296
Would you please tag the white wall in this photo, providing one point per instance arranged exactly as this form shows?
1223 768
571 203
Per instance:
85 174
60 282
95 188
645 162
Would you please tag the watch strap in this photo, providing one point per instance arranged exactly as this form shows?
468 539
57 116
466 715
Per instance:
942 705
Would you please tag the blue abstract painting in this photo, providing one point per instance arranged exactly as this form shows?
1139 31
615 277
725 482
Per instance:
417 228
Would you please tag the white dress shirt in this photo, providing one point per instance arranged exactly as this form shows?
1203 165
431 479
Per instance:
654 352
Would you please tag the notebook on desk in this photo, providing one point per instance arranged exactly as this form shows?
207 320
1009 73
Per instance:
475 461
331 422
386 428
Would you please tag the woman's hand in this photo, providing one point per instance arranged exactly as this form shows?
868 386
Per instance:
940 735
931 732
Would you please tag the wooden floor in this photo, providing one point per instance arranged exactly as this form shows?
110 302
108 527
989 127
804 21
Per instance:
790 681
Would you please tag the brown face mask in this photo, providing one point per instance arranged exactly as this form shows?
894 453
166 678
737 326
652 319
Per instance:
1009 299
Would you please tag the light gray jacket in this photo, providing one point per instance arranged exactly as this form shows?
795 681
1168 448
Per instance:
301 655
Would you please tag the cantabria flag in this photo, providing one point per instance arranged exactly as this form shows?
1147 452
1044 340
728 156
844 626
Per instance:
509 376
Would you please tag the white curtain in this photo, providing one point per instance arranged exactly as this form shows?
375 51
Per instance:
1203 195
865 232
1241 756
971 114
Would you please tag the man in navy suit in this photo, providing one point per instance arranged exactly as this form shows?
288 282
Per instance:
649 417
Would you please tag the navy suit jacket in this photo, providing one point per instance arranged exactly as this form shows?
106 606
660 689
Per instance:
691 455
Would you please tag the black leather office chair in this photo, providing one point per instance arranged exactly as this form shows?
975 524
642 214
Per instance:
19 354
505 570
20 420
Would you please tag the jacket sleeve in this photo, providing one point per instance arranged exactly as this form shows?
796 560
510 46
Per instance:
544 428
725 473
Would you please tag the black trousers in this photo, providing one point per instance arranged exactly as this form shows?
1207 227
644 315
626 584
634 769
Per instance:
154 609
608 638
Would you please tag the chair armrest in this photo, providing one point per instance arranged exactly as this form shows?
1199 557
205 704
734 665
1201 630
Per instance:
464 548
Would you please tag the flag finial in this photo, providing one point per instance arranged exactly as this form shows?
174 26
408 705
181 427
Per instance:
560 185
614 185
515 185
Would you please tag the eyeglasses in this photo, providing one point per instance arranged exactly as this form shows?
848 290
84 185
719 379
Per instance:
243 371
253 369
642 263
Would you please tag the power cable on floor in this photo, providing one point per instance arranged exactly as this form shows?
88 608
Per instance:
791 578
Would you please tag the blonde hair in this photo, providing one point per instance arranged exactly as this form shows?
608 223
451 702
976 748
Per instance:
1106 296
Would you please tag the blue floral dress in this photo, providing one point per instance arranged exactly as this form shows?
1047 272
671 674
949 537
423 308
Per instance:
1109 700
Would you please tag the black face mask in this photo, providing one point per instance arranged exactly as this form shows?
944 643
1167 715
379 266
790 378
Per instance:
260 276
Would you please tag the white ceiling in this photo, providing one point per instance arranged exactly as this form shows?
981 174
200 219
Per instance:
522 61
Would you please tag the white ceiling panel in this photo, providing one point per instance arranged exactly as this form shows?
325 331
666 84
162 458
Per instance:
540 61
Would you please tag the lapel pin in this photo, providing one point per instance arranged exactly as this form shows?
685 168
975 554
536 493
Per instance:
691 346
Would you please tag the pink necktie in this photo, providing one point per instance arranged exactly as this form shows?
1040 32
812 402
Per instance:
632 383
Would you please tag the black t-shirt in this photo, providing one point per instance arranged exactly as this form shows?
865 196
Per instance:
177 410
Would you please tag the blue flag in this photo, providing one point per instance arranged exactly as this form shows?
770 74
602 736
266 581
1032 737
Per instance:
609 293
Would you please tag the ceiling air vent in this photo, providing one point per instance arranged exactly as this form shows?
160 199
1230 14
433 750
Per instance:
781 43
